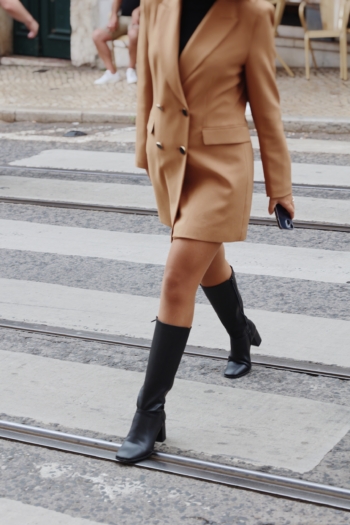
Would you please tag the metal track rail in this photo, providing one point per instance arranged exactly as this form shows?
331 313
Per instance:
74 172
277 363
257 221
256 481
143 175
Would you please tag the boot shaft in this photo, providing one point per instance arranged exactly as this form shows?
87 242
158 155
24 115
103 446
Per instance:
168 345
228 305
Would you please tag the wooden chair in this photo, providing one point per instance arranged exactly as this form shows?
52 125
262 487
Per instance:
279 10
335 17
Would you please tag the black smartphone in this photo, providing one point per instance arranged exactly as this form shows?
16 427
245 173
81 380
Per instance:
284 220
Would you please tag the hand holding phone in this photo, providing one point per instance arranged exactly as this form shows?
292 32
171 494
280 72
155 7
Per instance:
284 219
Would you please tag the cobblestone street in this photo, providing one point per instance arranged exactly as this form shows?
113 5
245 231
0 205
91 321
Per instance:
324 96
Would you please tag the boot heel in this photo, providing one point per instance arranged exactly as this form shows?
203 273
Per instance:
256 341
162 435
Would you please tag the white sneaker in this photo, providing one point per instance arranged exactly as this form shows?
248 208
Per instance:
131 76
108 78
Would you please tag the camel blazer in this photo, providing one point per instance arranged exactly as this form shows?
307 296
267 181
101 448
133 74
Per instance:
192 135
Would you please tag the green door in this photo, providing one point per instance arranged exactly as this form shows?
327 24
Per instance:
55 28
54 35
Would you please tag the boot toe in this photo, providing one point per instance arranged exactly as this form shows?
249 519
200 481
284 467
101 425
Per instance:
132 453
235 370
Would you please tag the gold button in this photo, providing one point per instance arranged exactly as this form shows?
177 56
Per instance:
159 145
160 107
184 112
182 150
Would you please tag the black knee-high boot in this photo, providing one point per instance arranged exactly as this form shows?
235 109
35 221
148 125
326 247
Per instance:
227 303
148 425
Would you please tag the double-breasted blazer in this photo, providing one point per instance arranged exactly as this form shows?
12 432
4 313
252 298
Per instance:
192 134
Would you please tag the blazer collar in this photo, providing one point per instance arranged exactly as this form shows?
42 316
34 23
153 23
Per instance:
214 27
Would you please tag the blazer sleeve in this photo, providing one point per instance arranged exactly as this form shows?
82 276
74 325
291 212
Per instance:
144 91
264 101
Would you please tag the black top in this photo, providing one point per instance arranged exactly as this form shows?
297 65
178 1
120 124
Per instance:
193 12
128 6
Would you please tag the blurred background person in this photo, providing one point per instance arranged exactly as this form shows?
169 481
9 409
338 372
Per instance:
124 20
17 10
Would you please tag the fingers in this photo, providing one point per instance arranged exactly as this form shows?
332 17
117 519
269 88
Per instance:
287 203
290 208
272 205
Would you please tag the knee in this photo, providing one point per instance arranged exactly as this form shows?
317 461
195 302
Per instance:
98 36
175 287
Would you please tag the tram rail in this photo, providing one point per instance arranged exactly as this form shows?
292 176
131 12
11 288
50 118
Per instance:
277 363
143 176
256 221
252 480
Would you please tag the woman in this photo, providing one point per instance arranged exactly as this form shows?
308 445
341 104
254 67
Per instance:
199 62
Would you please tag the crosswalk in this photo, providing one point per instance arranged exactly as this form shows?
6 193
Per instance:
333 211
110 162
246 257
103 408
291 336
293 432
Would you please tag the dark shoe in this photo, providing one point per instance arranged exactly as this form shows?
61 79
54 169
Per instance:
148 425
239 362
227 303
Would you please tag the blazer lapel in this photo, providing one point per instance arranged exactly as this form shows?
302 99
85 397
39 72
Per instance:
168 33
214 27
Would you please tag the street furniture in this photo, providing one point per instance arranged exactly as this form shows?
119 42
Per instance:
335 17
279 9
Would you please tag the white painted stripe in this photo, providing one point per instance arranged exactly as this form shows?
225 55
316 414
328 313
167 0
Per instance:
313 146
16 513
313 174
125 163
128 135
294 433
308 208
81 160
249 258
97 193
292 336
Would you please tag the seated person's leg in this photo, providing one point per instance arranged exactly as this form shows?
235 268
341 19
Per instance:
133 34
100 38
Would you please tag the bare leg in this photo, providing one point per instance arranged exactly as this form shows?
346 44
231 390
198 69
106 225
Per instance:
187 262
133 34
219 270
100 38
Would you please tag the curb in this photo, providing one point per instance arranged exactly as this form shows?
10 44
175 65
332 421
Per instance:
293 124
67 115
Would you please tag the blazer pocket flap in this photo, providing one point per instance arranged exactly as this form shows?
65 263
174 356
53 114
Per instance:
150 124
226 135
